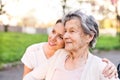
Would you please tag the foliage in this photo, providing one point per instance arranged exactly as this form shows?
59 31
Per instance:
13 45
106 42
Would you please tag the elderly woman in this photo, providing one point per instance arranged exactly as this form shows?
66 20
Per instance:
80 35
75 62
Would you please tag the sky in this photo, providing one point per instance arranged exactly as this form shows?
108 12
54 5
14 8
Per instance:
43 10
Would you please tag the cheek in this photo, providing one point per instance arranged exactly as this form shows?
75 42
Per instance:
61 44
78 40
82 41
49 36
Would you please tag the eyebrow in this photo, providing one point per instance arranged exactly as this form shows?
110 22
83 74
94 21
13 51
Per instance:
72 27
60 35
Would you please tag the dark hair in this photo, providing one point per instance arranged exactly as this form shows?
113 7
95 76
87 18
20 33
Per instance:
118 70
59 21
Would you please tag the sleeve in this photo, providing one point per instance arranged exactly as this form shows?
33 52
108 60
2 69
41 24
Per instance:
27 58
38 73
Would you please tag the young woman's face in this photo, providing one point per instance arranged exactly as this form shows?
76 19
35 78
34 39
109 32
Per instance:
74 36
55 38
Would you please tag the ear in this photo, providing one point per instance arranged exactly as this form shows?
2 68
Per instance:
90 37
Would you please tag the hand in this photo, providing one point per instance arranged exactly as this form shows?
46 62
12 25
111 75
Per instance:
110 70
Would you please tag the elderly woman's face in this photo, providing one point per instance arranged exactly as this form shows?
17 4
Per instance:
74 36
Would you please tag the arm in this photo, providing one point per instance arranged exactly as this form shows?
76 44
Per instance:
38 73
26 70
28 60
41 71
110 70
102 66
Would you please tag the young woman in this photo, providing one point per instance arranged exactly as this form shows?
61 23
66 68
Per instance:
40 53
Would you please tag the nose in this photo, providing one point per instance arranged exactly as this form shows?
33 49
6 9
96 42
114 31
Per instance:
66 35
53 37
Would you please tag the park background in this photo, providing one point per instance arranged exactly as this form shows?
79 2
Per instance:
25 22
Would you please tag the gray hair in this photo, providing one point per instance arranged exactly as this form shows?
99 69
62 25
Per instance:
88 24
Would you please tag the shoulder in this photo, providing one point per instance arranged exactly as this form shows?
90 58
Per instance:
61 52
35 47
31 57
32 49
100 66
97 61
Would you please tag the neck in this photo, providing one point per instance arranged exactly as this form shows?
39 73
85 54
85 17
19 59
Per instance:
79 54
77 59
48 52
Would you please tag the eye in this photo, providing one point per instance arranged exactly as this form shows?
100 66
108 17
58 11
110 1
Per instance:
72 31
65 31
60 36
53 31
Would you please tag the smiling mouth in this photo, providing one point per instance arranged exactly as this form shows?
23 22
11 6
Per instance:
52 44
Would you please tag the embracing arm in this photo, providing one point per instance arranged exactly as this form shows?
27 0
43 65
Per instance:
37 73
110 70
26 70
102 66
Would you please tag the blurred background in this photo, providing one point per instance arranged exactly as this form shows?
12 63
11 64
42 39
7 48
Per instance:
44 13
25 22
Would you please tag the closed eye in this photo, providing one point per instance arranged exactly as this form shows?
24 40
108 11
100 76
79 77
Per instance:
61 36
72 31
53 31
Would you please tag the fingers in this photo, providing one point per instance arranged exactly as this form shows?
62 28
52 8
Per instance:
110 69
111 73
107 71
107 67
105 60
116 75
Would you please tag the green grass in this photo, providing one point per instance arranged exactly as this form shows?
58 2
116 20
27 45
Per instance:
13 45
108 43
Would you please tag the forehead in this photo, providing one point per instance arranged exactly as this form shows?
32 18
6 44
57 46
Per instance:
75 22
59 27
